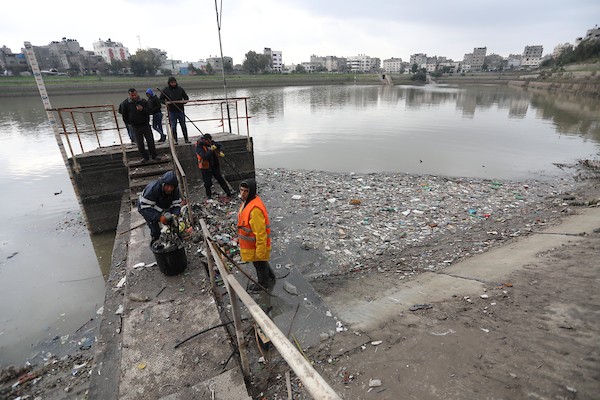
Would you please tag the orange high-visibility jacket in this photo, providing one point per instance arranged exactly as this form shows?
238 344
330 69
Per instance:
254 231
202 162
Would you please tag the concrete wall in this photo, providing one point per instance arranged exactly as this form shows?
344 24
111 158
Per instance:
102 176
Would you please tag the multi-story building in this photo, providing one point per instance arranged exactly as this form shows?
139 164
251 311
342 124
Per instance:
110 50
513 61
318 62
478 58
532 56
359 63
217 64
68 55
393 65
11 63
420 59
335 64
276 59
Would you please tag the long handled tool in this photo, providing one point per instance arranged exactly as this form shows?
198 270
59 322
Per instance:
179 109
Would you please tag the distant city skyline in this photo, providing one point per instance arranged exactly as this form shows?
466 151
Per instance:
187 30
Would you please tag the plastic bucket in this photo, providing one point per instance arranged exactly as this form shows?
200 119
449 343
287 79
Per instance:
170 260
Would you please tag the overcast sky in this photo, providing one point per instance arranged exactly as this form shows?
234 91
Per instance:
187 29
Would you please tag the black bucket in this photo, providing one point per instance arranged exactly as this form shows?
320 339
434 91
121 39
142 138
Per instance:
171 260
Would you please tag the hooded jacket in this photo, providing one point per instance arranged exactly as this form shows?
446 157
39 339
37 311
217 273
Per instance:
173 94
153 201
254 228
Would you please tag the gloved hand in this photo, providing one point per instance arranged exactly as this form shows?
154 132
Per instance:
163 220
213 147
221 154
166 218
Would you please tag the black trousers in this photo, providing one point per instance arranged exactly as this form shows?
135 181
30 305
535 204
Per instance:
207 175
144 132
264 273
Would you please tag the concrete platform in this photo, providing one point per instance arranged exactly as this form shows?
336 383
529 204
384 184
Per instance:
136 357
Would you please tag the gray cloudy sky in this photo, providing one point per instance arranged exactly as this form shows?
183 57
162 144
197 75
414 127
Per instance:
187 29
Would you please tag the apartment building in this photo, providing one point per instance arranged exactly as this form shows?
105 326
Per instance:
110 50
359 63
335 64
217 64
276 57
420 59
532 56
11 63
393 65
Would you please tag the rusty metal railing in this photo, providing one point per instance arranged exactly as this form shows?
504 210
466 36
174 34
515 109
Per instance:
314 383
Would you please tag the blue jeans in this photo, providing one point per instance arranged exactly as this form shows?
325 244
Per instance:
175 116
157 124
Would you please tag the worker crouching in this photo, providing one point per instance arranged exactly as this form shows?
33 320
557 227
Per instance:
158 198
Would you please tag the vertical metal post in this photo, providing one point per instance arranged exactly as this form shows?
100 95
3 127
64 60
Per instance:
46 101
95 129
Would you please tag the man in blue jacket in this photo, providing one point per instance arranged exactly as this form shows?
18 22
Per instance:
157 115
158 197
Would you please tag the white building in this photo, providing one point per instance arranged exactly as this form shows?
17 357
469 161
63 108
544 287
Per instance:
478 58
359 63
532 56
110 50
276 57
393 65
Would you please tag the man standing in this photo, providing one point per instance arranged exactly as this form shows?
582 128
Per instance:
254 234
208 153
136 111
175 93
158 197
128 126
157 116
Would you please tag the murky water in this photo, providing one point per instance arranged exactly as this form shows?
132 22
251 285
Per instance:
51 270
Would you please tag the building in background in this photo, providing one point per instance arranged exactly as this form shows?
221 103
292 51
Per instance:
532 56
359 63
393 65
276 59
110 50
12 63
420 59
67 56
217 64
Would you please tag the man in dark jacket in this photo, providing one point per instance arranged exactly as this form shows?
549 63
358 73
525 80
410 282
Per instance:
158 197
175 93
157 116
208 153
128 126
136 111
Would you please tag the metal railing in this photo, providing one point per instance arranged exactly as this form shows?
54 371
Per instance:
314 383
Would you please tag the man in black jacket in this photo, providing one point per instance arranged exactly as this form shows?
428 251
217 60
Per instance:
157 116
175 93
136 112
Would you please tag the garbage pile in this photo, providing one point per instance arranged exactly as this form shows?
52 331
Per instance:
399 222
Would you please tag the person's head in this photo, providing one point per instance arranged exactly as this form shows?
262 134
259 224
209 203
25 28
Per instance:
207 138
248 189
169 182
133 94
149 92
172 81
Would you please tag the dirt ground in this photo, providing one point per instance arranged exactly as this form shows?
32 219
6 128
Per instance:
535 337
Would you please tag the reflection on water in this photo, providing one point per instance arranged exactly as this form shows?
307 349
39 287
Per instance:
51 270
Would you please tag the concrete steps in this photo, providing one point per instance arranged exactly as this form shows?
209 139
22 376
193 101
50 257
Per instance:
140 174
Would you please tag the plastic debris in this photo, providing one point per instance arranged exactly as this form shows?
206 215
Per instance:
291 289
121 282
374 382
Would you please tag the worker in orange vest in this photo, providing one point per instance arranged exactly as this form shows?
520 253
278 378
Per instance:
254 234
